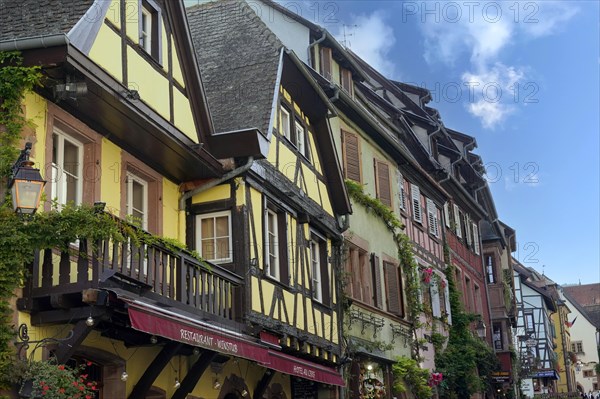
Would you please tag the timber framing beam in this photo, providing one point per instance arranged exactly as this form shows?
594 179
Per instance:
193 375
262 385
68 347
154 369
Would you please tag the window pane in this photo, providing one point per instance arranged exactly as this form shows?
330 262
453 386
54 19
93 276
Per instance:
222 226
71 188
222 249
138 217
138 196
208 249
207 228
71 158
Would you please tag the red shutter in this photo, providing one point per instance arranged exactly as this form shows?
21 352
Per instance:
392 280
351 156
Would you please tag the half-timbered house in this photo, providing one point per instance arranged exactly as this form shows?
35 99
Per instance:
275 221
534 335
374 156
122 122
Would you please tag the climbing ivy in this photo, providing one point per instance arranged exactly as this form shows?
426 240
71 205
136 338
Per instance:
467 362
405 255
15 81
410 377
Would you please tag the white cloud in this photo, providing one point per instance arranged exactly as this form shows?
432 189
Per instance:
493 93
482 34
372 39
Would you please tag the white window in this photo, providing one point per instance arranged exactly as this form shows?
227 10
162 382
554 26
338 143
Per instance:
213 238
137 200
416 203
315 261
300 137
285 123
271 245
447 214
146 29
67 169
476 238
401 191
432 218
457 228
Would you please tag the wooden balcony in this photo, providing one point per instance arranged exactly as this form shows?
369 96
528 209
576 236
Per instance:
170 277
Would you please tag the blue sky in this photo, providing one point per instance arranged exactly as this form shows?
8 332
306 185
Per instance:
522 77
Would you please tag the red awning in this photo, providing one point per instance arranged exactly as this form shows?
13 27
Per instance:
303 368
169 325
193 333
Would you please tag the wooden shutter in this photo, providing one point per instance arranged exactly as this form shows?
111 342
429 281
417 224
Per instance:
325 280
447 299
376 273
326 62
366 280
356 274
446 214
401 191
432 217
435 299
346 79
382 178
476 238
394 293
457 228
351 156
416 202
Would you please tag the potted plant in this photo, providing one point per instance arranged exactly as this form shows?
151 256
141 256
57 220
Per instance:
46 379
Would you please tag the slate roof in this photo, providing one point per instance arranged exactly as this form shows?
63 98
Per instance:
30 18
239 59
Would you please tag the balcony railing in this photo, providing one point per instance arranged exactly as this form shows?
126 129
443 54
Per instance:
171 275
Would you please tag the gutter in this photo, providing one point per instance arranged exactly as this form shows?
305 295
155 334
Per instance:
28 43
214 183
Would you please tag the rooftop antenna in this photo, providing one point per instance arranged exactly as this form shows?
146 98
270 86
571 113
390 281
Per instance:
543 270
346 43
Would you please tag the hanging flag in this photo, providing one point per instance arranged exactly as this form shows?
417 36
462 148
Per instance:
570 323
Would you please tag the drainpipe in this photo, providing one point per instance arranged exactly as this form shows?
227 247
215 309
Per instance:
215 182
313 44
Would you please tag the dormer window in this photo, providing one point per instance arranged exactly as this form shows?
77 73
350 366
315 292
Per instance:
149 28
294 130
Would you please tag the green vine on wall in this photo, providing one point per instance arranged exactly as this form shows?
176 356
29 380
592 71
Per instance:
467 362
405 255
15 81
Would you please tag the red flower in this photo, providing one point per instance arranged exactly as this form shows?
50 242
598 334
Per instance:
61 367
89 363
61 390
75 383
88 396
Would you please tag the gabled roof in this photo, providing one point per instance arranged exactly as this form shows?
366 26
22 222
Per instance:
591 314
239 58
243 65
31 18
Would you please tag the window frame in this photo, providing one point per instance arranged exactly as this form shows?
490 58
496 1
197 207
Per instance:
323 277
362 267
346 81
151 9
401 191
58 186
316 283
285 127
300 142
270 269
213 216
131 177
457 221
